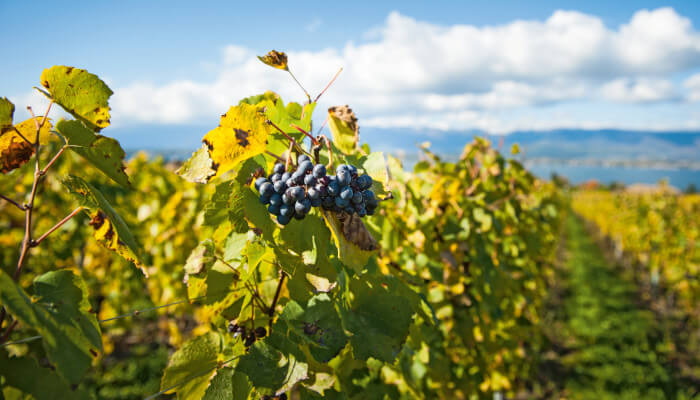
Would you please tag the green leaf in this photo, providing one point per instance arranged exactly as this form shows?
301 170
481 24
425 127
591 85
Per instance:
270 370
228 385
110 230
103 152
378 319
319 324
483 218
24 373
199 167
233 204
191 368
7 111
375 166
201 258
60 313
344 127
80 93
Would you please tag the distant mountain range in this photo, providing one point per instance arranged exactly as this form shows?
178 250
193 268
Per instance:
179 141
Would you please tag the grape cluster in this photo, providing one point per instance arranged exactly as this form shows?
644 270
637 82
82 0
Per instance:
250 335
291 194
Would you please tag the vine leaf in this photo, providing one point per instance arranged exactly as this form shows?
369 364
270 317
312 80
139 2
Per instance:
110 230
378 318
14 150
275 59
228 384
354 242
231 206
23 373
7 111
375 166
343 125
103 152
318 324
241 134
199 167
271 370
192 367
79 92
60 312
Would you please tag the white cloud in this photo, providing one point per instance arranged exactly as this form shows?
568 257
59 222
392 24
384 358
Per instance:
692 84
418 74
626 90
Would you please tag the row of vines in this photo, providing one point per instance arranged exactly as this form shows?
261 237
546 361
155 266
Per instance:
657 234
436 294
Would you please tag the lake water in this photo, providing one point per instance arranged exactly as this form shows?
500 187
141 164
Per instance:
679 178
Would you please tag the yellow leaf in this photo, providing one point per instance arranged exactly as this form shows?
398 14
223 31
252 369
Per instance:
241 134
343 125
275 59
106 235
14 150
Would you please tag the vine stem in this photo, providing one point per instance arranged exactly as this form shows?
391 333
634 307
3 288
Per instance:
330 152
53 160
271 310
328 85
313 140
8 331
12 201
278 158
298 83
58 225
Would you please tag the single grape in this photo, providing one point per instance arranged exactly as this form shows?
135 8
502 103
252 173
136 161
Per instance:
316 202
340 202
266 189
259 182
264 199
276 199
325 180
299 216
344 177
302 158
346 193
280 186
302 206
328 202
368 195
290 182
278 168
349 209
314 194
357 198
333 188
321 189
296 193
353 170
260 332
319 171
298 177
286 210
286 176
286 199
364 182
370 211
273 209
275 177
305 166
309 180
342 167
361 212
283 220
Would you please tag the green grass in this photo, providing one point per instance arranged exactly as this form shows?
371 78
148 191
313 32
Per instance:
612 340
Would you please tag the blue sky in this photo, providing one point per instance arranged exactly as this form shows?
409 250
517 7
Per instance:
495 66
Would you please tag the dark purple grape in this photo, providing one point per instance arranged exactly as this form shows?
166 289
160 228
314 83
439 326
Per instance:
340 202
275 177
278 168
302 158
349 209
273 209
305 167
361 212
266 189
264 199
280 186
353 170
321 189
295 193
344 178
283 220
325 180
276 199
357 198
346 193
309 180
299 216
286 199
259 182
316 202
302 206
328 202
260 332
286 210
364 182
290 182
342 167
319 171
368 196
333 188
314 194
286 176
